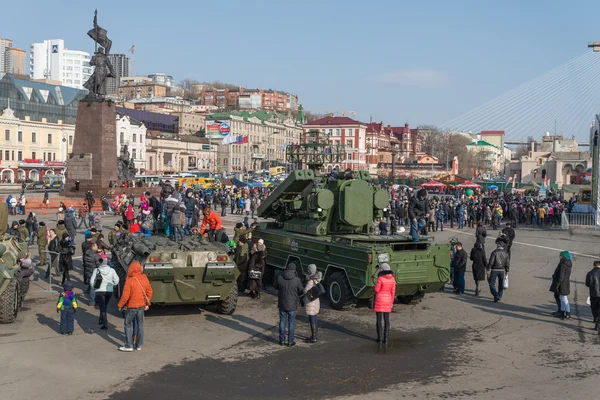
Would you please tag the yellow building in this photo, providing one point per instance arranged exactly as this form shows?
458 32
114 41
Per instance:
30 149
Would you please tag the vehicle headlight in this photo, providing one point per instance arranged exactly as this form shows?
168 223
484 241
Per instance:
319 209
382 258
212 256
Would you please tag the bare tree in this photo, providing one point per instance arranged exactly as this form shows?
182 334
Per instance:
521 151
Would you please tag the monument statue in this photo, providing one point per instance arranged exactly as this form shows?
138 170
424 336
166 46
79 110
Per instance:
125 165
103 67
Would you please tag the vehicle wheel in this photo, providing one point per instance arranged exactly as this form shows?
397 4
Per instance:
228 305
412 299
9 302
269 275
339 291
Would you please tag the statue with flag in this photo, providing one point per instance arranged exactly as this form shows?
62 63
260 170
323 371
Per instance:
103 67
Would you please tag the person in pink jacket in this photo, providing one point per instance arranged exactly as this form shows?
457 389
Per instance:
385 292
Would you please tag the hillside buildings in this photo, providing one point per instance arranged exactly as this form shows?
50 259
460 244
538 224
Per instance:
248 99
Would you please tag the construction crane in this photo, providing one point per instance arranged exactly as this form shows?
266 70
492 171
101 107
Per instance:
132 51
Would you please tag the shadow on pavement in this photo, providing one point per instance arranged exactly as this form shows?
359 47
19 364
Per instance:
237 326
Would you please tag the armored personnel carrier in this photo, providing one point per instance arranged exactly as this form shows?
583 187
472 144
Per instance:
188 272
326 219
13 285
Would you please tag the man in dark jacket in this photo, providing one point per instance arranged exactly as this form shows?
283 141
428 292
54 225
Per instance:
592 281
418 211
153 202
497 269
509 232
241 258
480 234
71 225
459 263
190 208
289 289
91 261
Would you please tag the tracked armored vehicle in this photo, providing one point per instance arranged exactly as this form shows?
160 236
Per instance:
327 220
188 272
13 282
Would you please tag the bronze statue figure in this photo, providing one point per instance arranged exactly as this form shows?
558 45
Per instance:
125 165
103 67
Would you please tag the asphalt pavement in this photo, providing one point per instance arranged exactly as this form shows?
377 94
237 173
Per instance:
448 346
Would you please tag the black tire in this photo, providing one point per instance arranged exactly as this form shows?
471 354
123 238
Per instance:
9 302
412 299
339 291
227 306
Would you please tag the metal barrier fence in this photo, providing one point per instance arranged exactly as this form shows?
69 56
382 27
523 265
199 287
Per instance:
578 219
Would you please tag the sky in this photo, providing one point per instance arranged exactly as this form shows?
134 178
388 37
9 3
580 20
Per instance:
422 62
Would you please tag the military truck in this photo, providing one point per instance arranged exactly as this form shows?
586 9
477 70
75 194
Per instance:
327 219
13 286
188 272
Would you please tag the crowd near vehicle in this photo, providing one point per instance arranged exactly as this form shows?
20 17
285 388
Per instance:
327 220
13 287
188 272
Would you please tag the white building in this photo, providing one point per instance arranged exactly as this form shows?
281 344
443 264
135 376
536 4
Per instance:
133 134
51 60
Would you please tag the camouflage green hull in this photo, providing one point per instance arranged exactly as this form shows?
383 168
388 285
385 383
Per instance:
422 267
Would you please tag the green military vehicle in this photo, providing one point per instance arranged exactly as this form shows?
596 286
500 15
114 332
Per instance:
188 272
14 282
327 220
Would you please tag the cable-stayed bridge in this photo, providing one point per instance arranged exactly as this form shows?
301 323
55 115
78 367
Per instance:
563 100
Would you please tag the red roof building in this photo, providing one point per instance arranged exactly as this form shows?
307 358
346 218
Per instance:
348 132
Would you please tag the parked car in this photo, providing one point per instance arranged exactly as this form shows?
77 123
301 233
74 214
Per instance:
35 185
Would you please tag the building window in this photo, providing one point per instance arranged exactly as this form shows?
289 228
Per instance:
338 132
7 134
49 138
349 142
20 136
19 156
33 137
122 137
6 155
70 140
330 132
33 155
134 139
350 132
134 153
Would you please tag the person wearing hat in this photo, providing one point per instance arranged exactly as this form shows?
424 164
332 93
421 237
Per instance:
418 211
241 258
23 232
67 250
459 264
60 229
497 269
14 230
479 262
561 286
67 306
42 241
289 289
510 236
256 268
385 292
312 308
592 281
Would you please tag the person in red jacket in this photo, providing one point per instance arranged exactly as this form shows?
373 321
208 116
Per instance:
214 233
137 293
385 292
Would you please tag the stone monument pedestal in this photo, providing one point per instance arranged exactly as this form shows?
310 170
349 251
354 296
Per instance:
93 161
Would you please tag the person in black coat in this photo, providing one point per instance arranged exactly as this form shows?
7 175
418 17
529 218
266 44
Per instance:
67 250
480 234
510 235
289 289
459 263
561 286
479 262
592 281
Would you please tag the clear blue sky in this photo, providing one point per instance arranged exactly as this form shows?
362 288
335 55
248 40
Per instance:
416 61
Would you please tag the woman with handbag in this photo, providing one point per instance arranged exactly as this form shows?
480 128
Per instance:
385 292
104 278
256 269
312 304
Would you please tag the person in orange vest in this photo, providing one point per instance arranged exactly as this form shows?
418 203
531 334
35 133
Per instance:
214 233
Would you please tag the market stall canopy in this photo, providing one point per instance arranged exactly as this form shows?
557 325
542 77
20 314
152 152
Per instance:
238 183
531 185
433 184
492 187
468 185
